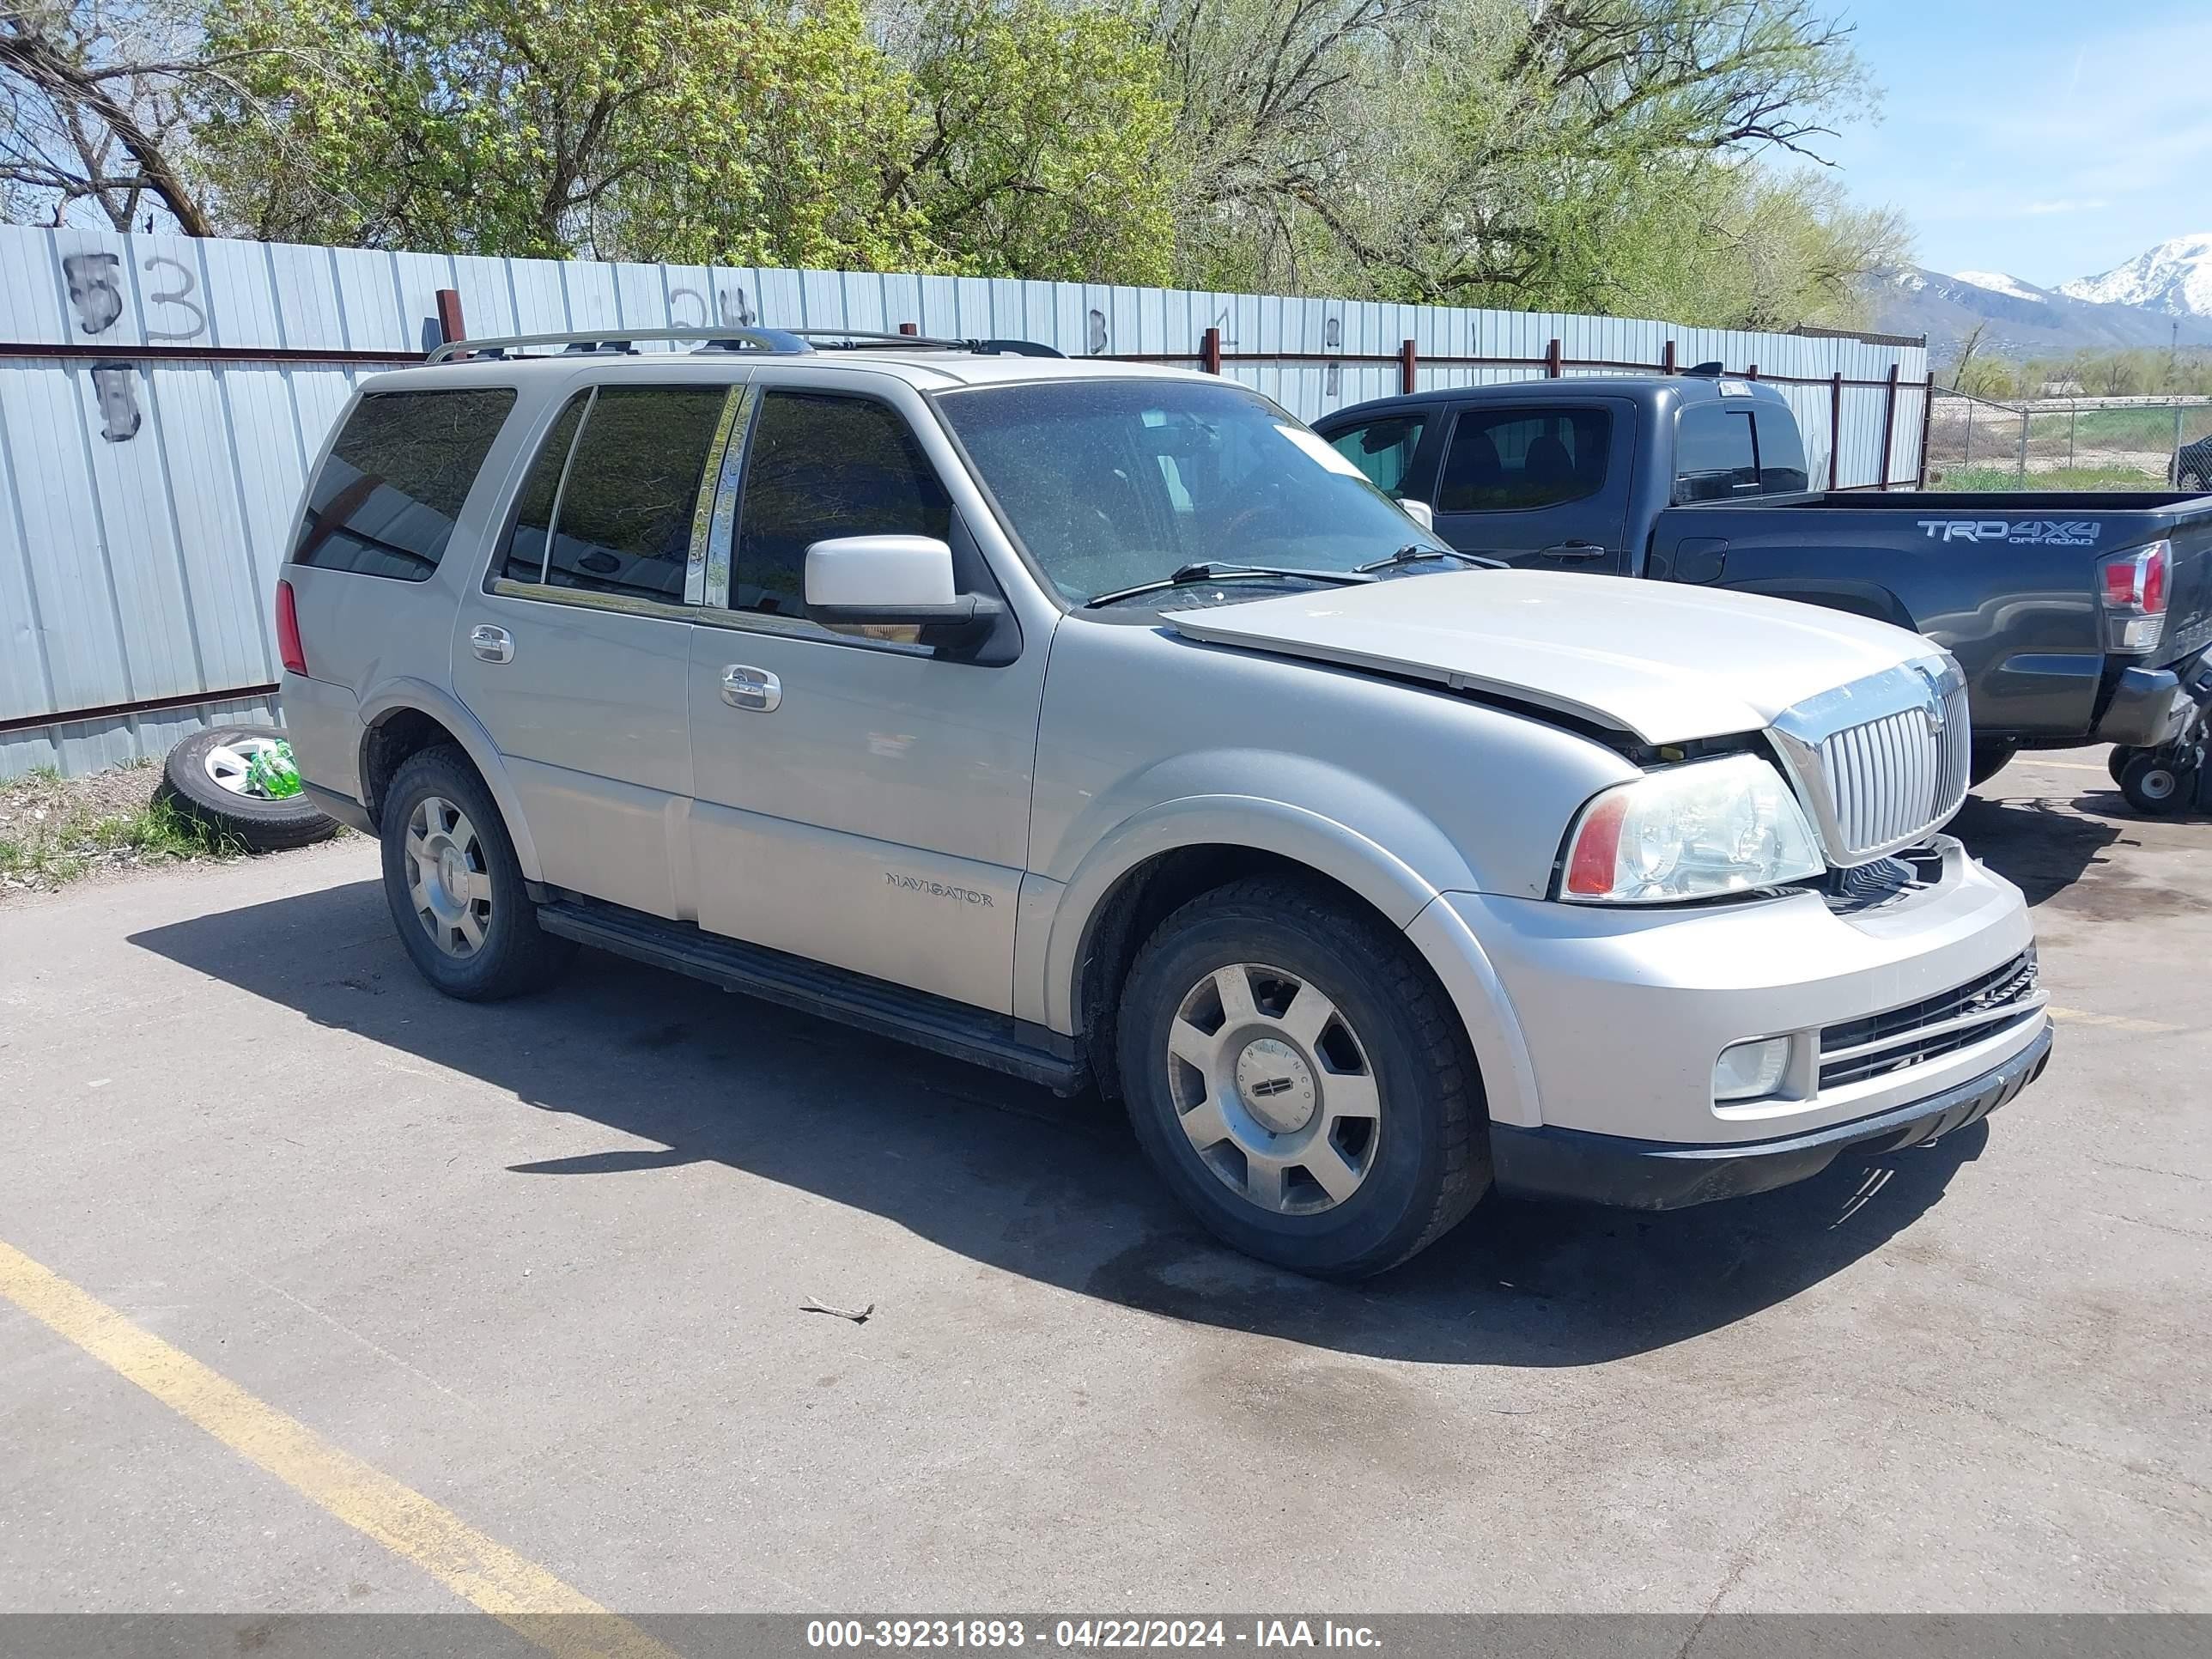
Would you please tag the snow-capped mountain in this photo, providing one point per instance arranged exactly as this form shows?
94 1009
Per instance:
1997 283
2174 279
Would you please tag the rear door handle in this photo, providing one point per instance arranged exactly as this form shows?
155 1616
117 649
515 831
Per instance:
492 644
755 690
1573 552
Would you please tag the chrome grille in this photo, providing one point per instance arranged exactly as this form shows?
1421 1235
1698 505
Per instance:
1893 780
1881 762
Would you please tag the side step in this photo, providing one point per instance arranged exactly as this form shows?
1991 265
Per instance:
1015 1047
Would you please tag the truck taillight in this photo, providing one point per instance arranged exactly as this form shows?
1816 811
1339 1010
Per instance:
2135 596
287 631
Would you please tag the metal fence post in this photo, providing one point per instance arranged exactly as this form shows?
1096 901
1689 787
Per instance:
1552 360
1835 425
1408 365
1209 351
1889 427
2173 466
2020 466
1967 459
1667 359
449 316
2073 420
1927 424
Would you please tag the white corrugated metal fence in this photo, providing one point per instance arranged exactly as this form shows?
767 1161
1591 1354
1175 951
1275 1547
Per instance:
160 397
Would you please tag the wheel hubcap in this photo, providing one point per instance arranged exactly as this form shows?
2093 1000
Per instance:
447 881
230 765
1273 1088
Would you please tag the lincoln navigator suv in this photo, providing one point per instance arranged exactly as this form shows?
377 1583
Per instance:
1101 724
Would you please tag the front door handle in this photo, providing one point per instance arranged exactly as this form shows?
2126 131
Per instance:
492 644
752 689
1573 552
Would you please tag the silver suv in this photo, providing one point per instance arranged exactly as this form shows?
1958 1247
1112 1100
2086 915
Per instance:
1102 724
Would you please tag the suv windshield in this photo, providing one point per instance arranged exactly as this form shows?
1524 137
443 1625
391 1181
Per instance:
1113 483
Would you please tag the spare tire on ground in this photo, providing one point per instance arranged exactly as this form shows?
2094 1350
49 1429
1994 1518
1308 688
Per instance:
238 782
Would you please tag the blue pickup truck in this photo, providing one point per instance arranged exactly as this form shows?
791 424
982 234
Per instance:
2075 616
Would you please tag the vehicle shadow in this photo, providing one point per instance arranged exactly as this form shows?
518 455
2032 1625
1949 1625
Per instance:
2040 847
1006 1174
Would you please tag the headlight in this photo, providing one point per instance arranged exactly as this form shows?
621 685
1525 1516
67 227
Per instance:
1709 827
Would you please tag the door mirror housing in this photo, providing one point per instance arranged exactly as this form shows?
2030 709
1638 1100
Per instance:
1421 514
887 580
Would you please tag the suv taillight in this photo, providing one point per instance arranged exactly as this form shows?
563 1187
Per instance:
2135 596
287 631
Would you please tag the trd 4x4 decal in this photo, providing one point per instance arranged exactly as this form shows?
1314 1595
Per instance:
2019 532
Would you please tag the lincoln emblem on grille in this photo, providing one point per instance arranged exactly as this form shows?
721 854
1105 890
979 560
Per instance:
1937 720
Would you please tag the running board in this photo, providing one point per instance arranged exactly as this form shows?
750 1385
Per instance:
1015 1047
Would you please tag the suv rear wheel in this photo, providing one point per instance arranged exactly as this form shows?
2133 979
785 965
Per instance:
1298 1079
455 889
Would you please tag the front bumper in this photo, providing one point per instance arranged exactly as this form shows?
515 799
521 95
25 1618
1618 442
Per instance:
1609 1021
1642 1175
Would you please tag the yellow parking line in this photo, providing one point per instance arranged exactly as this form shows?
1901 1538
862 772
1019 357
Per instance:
2114 1022
518 1593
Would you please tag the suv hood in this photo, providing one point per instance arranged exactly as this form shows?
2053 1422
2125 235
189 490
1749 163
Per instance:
1665 662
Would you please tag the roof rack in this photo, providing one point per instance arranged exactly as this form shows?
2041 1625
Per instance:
723 337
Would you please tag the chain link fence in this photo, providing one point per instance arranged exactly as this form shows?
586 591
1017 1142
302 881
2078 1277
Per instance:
2072 443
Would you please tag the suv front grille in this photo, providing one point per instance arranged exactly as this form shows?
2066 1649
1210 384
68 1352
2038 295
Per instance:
1935 1026
1893 780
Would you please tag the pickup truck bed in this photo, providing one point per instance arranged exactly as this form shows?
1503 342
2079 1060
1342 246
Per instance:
1701 478
2007 583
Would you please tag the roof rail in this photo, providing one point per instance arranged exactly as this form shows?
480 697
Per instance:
723 337
720 336
871 337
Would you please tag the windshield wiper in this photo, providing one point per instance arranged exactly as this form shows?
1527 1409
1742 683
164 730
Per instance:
1413 553
1206 571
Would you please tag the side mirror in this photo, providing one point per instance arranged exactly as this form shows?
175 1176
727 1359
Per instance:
886 581
1421 514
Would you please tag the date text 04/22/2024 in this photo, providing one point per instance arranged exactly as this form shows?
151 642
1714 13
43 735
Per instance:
1087 1634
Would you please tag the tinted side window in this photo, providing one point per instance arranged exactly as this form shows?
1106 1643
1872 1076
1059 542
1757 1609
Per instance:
525 558
1781 454
823 465
1510 460
632 491
1713 455
1383 449
385 503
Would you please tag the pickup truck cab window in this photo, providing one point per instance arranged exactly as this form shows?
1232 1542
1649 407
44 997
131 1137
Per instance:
1383 449
1716 456
1110 484
1512 460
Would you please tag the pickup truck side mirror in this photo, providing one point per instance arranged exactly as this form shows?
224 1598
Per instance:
1421 514
887 580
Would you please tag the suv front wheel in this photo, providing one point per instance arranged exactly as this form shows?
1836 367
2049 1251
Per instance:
454 887
1299 1078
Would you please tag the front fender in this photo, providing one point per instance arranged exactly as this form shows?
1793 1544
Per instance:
390 696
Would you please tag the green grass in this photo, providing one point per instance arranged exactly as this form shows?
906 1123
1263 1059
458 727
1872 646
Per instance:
54 835
2080 478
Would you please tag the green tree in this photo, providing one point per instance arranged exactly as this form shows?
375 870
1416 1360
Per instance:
1046 142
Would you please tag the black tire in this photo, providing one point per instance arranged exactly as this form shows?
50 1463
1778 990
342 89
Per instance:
514 955
1988 759
2116 763
253 821
1429 1158
2154 786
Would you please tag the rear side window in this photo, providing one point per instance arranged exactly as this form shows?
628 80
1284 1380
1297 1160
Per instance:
1383 449
385 500
1782 469
614 498
1511 459
821 465
1714 455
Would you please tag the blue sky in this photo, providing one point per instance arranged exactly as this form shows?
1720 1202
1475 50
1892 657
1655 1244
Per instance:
2045 138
